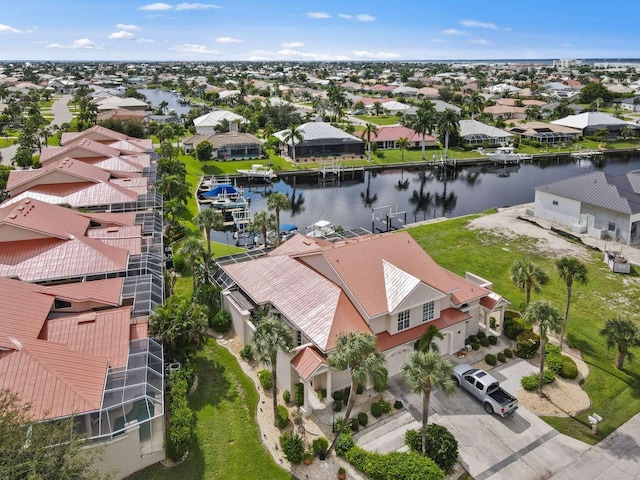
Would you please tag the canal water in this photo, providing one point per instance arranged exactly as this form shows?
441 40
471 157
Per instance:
422 194
155 97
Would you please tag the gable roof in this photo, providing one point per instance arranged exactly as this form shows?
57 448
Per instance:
24 310
320 131
395 132
590 120
398 284
96 133
620 193
307 361
474 127
214 118
83 147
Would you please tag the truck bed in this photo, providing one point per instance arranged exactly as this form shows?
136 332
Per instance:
500 396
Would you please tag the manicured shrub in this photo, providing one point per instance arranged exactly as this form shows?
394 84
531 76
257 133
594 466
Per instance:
553 359
493 340
569 368
319 445
344 444
530 382
337 424
322 393
180 431
355 424
501 357
286 396
346 392
528 344
475 346
508 314
394 465
381 385
514 327
481 335
363 418
386 406
282 419
266 380
221 321
484 342
337 405
299 394
490 359
380 407
338 395
398 405
359 389
441 447
472 339
292 447
376 411
246 353
508 353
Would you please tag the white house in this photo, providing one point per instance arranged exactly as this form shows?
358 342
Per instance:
207 123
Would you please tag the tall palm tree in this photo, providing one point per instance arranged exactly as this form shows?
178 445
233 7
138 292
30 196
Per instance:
425 372
547 317
448 122
209 219
270 336
278 202
570 269
528 276
356 352
370 130
475 103
425 121
403 144
261 223
621 333
294 134
426 342
192 250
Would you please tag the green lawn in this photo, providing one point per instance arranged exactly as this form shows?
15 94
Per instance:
615 395
379 119
214 167
4 143
227 442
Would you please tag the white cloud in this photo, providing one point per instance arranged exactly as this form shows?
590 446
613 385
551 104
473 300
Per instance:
193 49
289 52
480 41
365 17
83 43
195 6
260 55
345 16
145 40
318 15
366 54
8 29
293 44
129 28
228 40
121 35
453 31
156 7
476 24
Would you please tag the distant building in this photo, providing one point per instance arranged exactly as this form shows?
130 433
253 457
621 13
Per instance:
567 63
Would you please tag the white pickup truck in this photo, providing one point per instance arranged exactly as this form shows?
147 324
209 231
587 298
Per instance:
486 389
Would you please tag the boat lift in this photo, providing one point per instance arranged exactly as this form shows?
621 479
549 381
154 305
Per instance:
387 218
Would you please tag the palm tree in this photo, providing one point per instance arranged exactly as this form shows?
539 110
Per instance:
528 276
621 333
570 269
532 112
475 103
370 130
425 372
262 222
377 108
547 317
192 249
426 342
425 121
403 144
270 336
209 219
278 202
294 134
356 352
448 121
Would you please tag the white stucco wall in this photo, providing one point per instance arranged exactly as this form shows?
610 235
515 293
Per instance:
239 319
567 212
602 217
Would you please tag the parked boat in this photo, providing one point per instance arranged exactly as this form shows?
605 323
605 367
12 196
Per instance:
504 155
224 196
257 171
322 228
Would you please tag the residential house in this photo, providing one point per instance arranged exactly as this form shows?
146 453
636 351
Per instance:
386 285
546 133
478 133
387 137
591 122
629 104
128 103
227 146
207 123
598 204
321 139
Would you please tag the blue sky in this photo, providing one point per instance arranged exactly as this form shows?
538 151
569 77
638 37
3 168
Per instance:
317 30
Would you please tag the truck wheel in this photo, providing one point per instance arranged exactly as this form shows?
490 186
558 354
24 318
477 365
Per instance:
488 408
455 379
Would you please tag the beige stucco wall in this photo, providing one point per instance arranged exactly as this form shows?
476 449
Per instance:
239 319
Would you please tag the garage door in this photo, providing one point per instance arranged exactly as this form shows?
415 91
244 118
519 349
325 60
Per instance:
396 358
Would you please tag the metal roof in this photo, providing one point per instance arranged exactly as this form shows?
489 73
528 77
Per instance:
474 127
320 131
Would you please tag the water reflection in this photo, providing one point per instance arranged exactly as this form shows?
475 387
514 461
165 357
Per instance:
369 200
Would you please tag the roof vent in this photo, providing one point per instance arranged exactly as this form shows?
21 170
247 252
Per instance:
112 229
27 201
13 216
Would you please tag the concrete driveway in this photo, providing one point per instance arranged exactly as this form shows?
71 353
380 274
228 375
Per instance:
520 447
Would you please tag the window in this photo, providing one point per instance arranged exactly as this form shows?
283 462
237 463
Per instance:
299 338
427 311
555 202
403 320
61 304
612 227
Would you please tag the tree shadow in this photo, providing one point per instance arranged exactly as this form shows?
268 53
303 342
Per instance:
213 386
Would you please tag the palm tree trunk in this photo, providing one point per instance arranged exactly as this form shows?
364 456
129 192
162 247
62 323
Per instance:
369 148
347 414
426 400
541 374
620 357
207 234
423 157
446 144
279 237
193 274
566 315
528 295
274 390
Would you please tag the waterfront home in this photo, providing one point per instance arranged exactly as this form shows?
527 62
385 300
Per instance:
478 133
387 137
591 122
207 123
381 284
546 133
599 205
321 139
227 146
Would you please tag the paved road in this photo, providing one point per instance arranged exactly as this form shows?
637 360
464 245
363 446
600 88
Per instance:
521 447
61 114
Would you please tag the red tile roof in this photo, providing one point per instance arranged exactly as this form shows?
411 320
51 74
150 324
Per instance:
138 331
106 292
96 133
393 133
22 310
78 149
67 170
307 361
448 317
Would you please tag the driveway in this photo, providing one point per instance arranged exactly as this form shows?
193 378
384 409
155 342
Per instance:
520 447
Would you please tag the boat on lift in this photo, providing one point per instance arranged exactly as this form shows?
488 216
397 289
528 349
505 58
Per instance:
257 171
504 155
